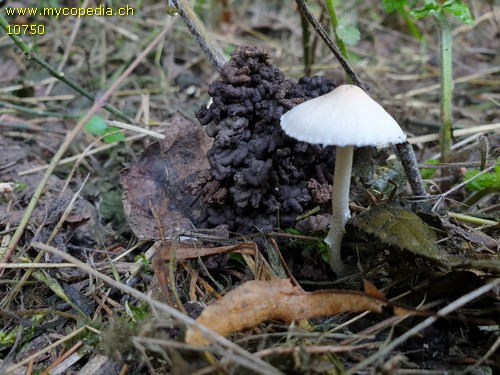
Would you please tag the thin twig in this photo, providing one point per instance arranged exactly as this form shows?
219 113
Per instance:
434 87
491 351
330 44
463 183
67 48
196 28
410 166
457 133
46 349
29 271
86 152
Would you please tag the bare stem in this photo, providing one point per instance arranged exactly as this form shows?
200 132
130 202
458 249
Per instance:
306 45
340 206
335 23
446 85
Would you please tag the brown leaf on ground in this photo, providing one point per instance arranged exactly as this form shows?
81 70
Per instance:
470 234
257 301
189 251
158 181
372 290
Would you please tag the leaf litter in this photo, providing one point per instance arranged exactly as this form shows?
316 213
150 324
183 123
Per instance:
152 191
155 188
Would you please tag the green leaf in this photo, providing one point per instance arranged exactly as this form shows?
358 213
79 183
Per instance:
238 258
8 337
349 34
396 226
429 172
459 10
392 5
292 231
428 10
485 181
139 312
20 187
115 135
144 260
96 125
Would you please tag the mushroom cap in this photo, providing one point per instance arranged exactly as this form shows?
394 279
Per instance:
346 116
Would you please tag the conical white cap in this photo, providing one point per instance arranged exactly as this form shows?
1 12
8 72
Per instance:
346 116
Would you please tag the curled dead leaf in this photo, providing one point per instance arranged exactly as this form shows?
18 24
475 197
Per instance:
158 181
257 301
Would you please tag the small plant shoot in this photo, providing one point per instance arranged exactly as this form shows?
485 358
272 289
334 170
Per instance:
438 10
97 126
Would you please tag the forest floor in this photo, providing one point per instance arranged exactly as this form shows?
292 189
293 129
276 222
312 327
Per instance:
87 285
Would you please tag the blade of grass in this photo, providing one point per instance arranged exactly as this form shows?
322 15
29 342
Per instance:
446 85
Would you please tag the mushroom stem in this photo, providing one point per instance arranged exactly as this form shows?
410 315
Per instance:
340 206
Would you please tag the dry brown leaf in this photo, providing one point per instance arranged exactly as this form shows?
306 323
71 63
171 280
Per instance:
158 180
257 301
372 290
187 251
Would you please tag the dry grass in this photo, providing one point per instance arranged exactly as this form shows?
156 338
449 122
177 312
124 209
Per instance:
78 290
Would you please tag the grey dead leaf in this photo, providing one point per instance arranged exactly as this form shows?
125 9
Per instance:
158 181
396 226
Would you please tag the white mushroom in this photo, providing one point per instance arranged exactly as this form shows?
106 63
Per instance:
345 117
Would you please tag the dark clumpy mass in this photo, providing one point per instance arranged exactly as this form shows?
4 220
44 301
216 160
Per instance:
259 177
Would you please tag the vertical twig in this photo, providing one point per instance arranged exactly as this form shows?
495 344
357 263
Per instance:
306 45
196 28
410 166
67 49
330 44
